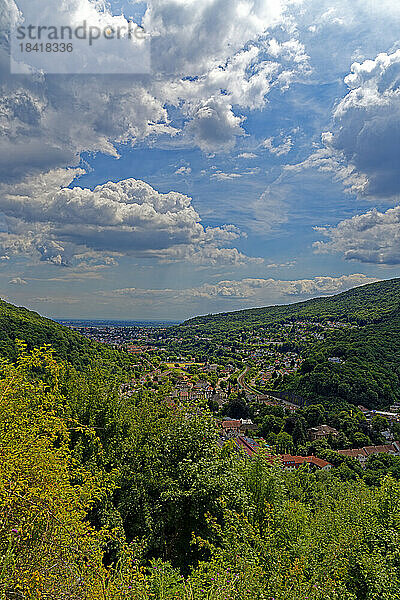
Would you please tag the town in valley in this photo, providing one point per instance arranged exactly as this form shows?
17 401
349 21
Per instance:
240 376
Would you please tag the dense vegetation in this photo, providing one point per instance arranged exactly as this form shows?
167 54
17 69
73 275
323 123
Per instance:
370 370
364 304
285 432
19 323
369 374
108 496
134 499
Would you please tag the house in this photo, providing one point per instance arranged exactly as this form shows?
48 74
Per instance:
362 454
388 435
231 428
383 449
357 453
203 390
320 432
392 417
236 427
220 398
183 391
247 425
318 463
291 463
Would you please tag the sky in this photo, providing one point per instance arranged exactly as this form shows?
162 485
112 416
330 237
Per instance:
256 162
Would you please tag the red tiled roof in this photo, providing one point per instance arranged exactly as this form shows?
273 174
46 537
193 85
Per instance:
384 448
353 452
231 424
319 462
369 450
289 460
326 429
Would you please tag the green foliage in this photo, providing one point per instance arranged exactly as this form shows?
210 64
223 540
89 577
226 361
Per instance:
369 375
237 408
46 546
365 304
20 323
106 496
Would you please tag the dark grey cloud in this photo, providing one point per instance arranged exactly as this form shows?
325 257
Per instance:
198 67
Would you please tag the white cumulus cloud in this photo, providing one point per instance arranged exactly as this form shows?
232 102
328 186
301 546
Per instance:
373 237
280 149
17 281
125 217
210 61
183 171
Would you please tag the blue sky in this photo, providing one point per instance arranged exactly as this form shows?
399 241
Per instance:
257 163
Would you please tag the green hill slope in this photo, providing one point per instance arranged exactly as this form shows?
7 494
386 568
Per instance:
23 324
370 371
365 304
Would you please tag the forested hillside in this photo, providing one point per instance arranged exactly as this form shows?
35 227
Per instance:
35 330
106 498
369 372
108 495
365 304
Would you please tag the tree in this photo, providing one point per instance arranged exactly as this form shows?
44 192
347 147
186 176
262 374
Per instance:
396 430
43 525
237 408
270 424
358 440
284 442
340 442
315 415
379 424
308 366
277 411
299 432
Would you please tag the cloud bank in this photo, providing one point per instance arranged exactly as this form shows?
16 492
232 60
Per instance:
254 292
